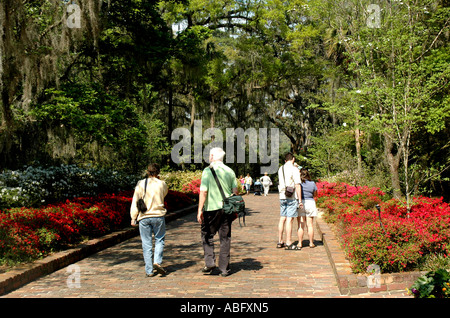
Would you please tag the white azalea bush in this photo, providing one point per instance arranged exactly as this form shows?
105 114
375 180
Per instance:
35 186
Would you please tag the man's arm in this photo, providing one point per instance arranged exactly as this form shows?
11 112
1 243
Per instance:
235 191
201 203
298 189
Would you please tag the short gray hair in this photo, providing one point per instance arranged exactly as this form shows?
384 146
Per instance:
217 153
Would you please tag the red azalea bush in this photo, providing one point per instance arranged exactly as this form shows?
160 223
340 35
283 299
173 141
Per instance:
192 187
338 206
340 198
365 241
29 233
403 239
177 200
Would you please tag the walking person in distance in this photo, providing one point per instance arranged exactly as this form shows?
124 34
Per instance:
266 182
248 183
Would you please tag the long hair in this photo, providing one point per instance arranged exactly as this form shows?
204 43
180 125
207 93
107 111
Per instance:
304 175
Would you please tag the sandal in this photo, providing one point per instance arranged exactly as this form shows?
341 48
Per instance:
280 245
293 247
312 245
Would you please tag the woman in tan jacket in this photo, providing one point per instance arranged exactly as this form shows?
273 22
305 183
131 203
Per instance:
152 191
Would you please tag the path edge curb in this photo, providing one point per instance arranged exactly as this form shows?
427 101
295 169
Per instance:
356 284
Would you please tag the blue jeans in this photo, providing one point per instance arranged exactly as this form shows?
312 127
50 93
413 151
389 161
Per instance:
147 227
288 208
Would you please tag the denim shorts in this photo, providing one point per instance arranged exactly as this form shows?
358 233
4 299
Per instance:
288 208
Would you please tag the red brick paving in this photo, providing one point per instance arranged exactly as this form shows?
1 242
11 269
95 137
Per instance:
258 268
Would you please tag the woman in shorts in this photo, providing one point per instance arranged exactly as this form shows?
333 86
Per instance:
309 211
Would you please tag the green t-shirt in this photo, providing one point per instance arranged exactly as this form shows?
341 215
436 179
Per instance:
227 179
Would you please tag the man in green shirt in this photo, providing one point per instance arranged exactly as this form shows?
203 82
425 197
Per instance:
210 214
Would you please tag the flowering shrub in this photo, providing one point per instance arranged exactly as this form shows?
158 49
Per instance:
179 180
340 198
188 182
177 200
366 242
343 190
193 187
29 233
403 239
338 206
35 186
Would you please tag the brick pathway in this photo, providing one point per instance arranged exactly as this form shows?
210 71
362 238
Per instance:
258 269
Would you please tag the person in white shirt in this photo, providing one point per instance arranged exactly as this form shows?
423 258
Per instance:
266 182
288 176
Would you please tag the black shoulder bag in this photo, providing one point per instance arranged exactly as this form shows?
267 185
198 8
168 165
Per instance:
140 203
232 205
289 191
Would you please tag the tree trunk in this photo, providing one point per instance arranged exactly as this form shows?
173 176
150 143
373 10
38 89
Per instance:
358 146
393 160
170 110
192 100
212 113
